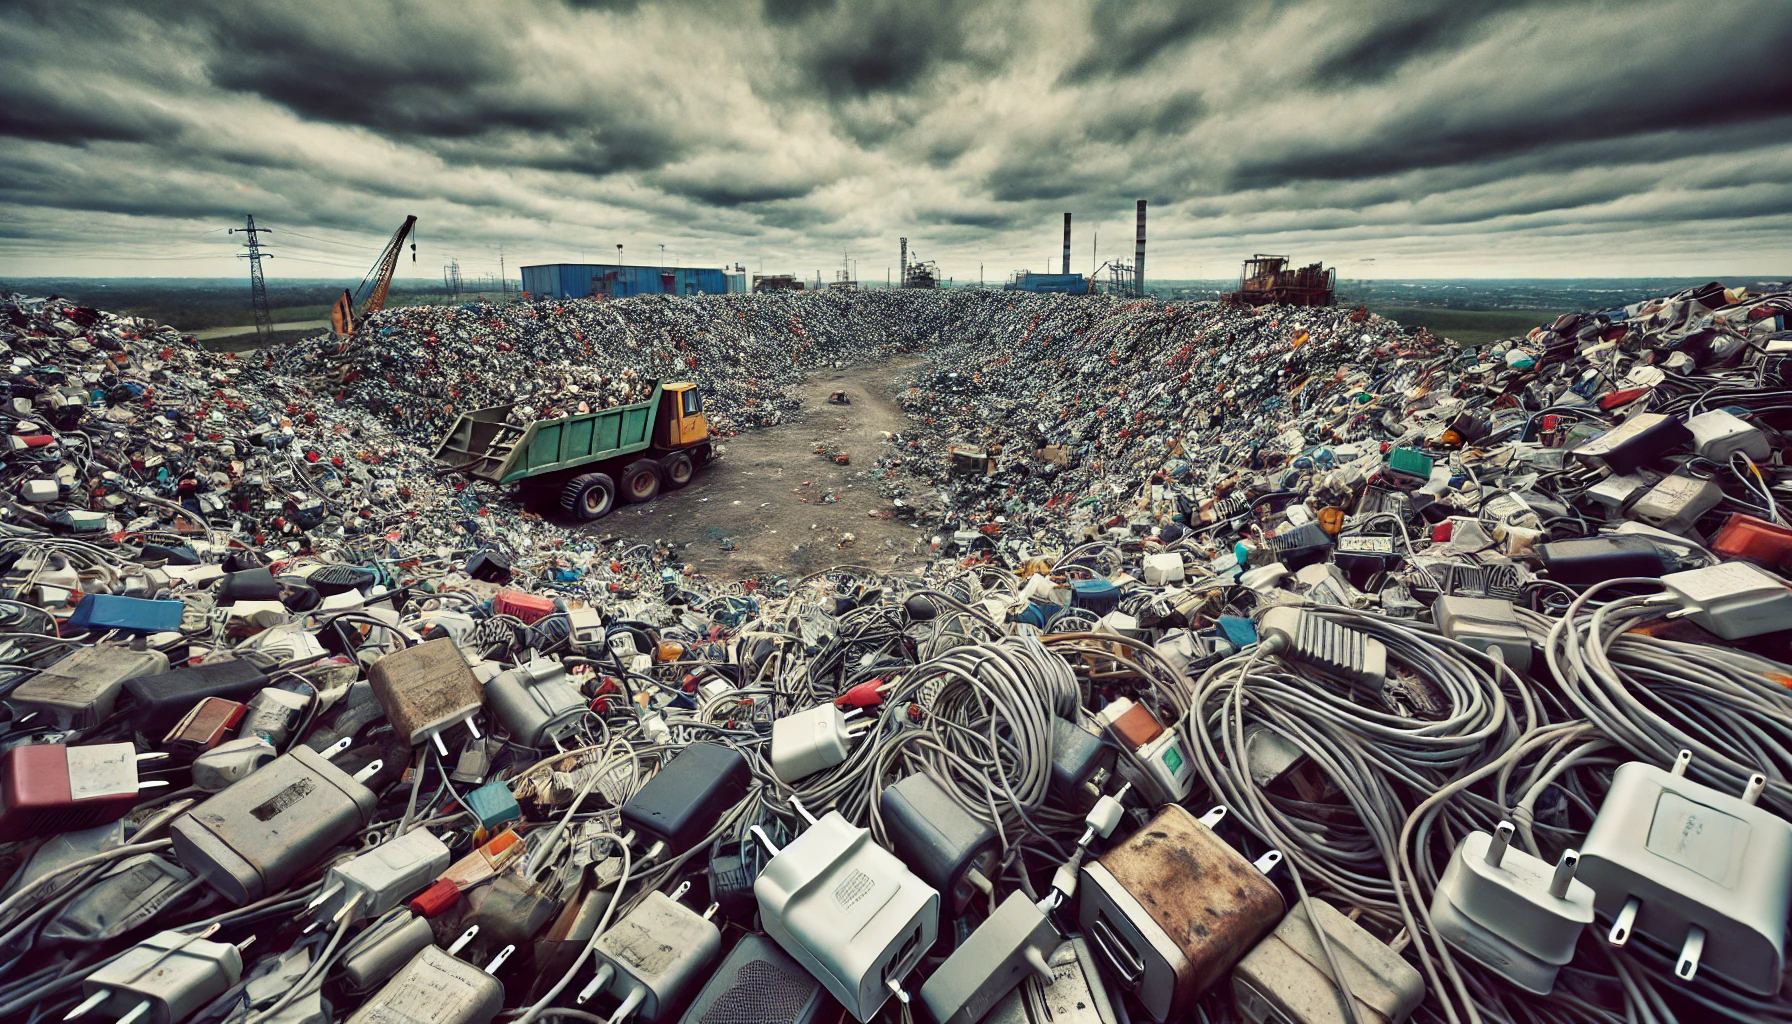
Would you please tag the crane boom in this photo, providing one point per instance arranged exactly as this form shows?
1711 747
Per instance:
345 315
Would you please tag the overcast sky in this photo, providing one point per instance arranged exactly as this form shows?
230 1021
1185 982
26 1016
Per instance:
1392 138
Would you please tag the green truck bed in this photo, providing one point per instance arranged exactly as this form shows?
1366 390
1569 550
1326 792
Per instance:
483 445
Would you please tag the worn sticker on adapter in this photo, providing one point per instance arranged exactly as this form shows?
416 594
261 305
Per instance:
105 769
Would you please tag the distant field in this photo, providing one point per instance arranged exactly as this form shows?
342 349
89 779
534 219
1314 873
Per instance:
1469 327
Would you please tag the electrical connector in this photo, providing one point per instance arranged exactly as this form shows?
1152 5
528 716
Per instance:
438 987
493 804
1586 560
1158 764
809 741
1693 869
204 727
382 950
651 956
164 979
685 799
939 840
536 702
369 884
482 865
986 967
1287 979
848 910
162 699
1675 503
426 689
1734 600
48 787
1512 913
1173 907
1642 438
80 691
1484 623
1334 650
1717 435
262 832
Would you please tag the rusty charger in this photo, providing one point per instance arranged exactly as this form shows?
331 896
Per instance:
1173 908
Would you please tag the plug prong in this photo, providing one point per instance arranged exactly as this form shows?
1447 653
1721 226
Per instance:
1688 964
804 811
1565 868
1752 792
897 990
1681 761
598 981
461 943
635 998
1620 933
87 1004
1496 847
441 745
498 961
135 1012
764 839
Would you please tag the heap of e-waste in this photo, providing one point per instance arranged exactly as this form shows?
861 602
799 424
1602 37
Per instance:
1277 664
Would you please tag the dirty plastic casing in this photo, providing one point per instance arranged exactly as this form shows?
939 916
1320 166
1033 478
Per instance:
1168 931
177 973
265 829
660 949
1286 979
436 987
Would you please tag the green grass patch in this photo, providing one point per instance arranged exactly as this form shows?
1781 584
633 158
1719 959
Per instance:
1470 327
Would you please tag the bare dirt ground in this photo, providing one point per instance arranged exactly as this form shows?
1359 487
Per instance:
765 496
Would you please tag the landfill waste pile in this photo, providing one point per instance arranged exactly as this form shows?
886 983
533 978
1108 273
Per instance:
1360 678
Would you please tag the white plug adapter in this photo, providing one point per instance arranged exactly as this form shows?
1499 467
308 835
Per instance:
809 741
1512 913
848 910
1694 869
1733 599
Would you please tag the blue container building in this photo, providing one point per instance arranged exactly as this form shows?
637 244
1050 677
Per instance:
584 280
1027 281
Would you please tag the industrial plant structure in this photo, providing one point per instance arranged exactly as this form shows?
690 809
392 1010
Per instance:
1266 281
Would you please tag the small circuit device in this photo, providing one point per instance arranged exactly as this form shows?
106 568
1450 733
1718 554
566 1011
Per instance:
1009 944
426 689
1585 560
80 691
1512 913
1484 623
1172 908
1319 643
164 979
650 957
263 831
1157 764
1286 978
369 884
685 799
809 741
438 987
1694 869
1734 600
949 848
536 701
848 910
47 788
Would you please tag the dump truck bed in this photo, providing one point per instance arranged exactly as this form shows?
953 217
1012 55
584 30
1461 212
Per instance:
483 445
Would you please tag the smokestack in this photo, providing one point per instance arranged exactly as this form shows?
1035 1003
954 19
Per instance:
1138 254
905 263
1066 241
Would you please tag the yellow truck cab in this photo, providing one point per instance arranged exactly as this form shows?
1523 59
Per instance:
681 420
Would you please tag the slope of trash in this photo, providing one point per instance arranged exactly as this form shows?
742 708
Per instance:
1268 664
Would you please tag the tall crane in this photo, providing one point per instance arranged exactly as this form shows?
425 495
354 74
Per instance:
370 295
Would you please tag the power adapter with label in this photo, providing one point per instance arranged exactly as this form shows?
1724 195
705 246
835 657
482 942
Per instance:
438 987
1734 600
1512 913
650 957
1076 993
1287 979
80 691
48 787
426 689
1694 869
848 910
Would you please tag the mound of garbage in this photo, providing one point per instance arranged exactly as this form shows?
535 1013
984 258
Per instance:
1272 664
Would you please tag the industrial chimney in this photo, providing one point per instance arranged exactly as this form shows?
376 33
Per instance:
1138 254
1066 241
905 263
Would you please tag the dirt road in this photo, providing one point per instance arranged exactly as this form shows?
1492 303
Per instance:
767 495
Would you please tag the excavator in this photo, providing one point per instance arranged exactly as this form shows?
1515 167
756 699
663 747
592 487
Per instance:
346 314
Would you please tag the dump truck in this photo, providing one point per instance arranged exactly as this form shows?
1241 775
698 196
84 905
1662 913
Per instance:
583 462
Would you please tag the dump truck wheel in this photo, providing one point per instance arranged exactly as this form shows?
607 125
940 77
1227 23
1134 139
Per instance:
641 481
677 469
588 496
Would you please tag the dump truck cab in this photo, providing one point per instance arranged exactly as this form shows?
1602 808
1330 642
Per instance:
681 421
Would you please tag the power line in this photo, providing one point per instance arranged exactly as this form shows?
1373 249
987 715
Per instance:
258 288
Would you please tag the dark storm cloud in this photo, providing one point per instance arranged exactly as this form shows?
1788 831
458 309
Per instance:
813 125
